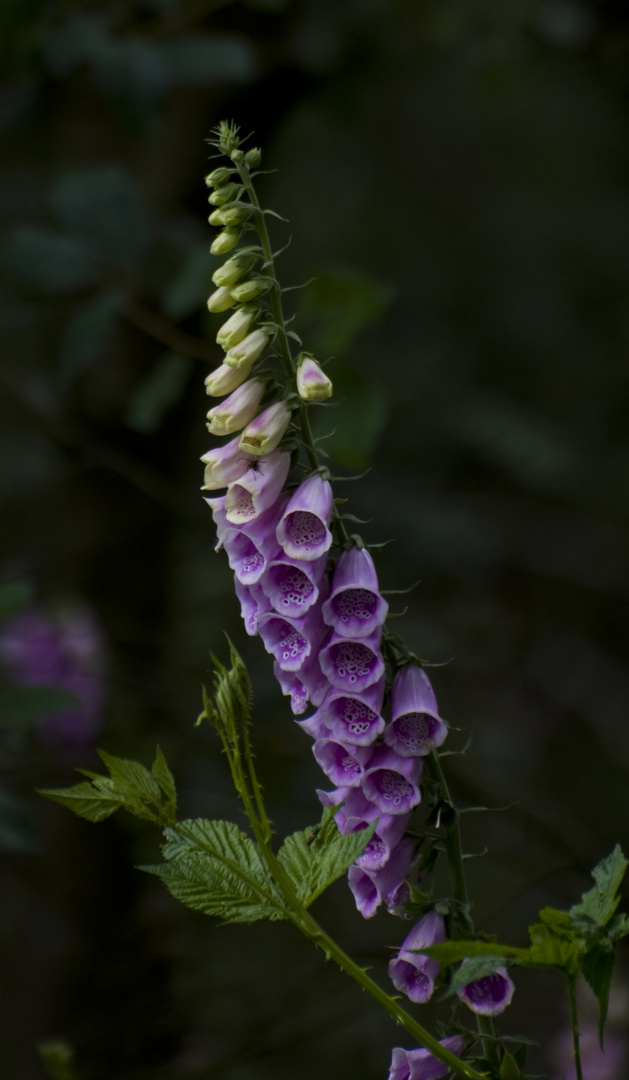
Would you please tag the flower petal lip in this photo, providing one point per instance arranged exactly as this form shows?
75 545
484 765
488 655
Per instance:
258 489
352 665
391 781
303 531
355 608
490 995
354 717
291 641
292 587
238 409
224 464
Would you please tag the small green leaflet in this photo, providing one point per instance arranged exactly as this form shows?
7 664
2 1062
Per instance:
314 858
150 796
213 867
600 903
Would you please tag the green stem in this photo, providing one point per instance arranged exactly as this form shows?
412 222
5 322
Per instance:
574 1018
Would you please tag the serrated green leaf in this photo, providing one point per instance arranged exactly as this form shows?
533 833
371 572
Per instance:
95 803
451 952
598 966
314 858
213 867
131 777
165 779
558 921
552 950
600 903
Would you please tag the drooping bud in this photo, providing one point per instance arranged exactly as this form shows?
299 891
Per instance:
410 971
232 271
238 409
312 384
236 214
489 995
225 241
223 465
224 194
253 157
247 351
220 300
225 379
266 432
216 218
218 177
252 289
236 328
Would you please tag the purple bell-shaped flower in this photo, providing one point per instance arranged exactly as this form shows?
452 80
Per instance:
416 727
355 608
411 972
303 530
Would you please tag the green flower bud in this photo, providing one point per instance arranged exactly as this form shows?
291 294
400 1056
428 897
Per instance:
237 156
225 241
247 351
221 300
232 270
312 384
236 214
236 328
224 379
224 194
253 157
252 289
216 217
218 177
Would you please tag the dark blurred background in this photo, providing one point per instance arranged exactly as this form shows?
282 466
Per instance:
456 175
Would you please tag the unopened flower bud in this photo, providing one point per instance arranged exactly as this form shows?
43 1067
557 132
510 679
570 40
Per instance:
232 270
237 410
226 193
265 433
252 289
236 214
312 384
253 157
247 351
218 177
221 300
225 379
216 218
236 328
225 241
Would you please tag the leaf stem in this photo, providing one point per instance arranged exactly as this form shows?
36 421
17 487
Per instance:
574 1019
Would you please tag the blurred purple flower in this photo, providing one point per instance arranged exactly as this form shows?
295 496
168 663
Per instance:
64 651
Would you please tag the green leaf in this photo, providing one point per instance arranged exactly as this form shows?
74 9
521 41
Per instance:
315 857
191 285
213 867
598 966
552 950
104 209
46 261
452 952
86 334
15 595
165 779
161 390
558 921
94 801
600 903
202 59
21 706
476 968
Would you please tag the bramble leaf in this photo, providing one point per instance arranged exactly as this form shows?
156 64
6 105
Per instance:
598 966
314 858
600 903
213 867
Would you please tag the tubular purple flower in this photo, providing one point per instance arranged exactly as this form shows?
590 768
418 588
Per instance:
309 685
390 830
356 813
422 1065
224 464
331 798
246 352
343 765
490 995
312 383
416 727
224 379
238 409
293 588
247 559
389 883
303 530
313 726
291 641
253 605
355 718
266 432
391 781
352 666
355 608
411 972
258 489
217 506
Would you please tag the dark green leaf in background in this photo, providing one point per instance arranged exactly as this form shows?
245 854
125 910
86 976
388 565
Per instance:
161 390
87 333
199 59
44 260
104 209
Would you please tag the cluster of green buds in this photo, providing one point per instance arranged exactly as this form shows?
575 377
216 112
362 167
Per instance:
255 334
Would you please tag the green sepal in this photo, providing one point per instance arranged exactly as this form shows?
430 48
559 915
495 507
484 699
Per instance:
215 868
150 796
315 857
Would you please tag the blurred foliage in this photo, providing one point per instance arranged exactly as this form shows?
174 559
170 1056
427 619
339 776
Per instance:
456 180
